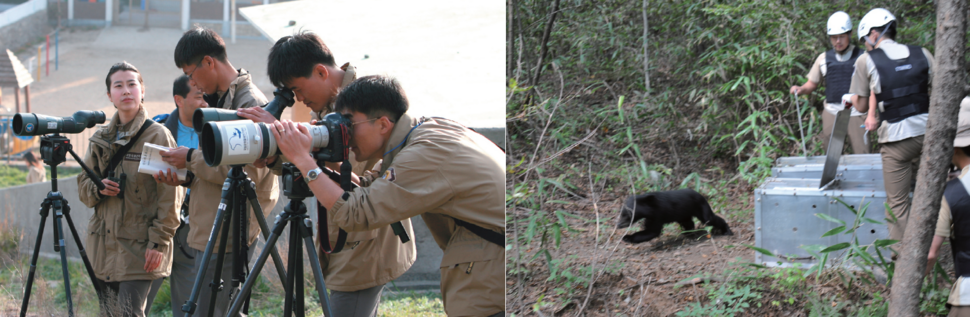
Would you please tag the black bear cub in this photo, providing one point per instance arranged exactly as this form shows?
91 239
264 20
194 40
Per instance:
661 208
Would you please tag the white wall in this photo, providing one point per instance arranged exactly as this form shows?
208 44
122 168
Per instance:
21 11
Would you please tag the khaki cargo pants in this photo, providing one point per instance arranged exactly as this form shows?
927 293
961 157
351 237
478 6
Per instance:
899 162
855 133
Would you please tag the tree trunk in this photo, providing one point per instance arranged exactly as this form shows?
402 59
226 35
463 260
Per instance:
646 58
949 83
509 38
545 43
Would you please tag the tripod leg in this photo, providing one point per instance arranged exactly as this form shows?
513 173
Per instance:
217 282
84 255
59 241
258 266
297 259
45 209
261 220
307 232
189 307
240 243
291 279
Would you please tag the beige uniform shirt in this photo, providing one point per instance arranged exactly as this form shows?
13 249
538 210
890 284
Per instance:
207 184
817 73
865 82
442 171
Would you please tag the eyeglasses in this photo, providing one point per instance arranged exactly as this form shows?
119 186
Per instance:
365 121
196 68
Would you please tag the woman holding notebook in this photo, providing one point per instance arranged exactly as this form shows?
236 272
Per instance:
130 235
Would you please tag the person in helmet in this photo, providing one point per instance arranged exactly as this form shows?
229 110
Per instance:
898 77
836 67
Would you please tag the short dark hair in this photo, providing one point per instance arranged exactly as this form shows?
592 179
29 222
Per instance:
123 66
181 86
198 43
965 149
295 55
374 96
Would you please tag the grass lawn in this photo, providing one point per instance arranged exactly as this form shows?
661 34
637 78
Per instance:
11 175
47 297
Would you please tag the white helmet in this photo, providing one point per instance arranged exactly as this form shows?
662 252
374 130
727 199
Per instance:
875 18
839 23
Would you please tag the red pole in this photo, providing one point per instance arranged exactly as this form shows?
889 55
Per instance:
47 51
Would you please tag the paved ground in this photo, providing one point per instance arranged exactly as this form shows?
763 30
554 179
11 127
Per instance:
86 56
436 88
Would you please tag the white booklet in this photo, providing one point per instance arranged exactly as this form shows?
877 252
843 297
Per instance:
151 161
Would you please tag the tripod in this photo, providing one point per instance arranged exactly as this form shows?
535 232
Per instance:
295 212
236 190
53 150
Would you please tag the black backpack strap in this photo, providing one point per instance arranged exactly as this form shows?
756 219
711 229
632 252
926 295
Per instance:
488 235
116 159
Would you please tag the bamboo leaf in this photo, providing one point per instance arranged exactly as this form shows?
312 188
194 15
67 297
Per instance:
833 232
619 107
836 247
829 218
760 250
884 242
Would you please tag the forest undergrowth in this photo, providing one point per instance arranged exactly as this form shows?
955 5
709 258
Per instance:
587 132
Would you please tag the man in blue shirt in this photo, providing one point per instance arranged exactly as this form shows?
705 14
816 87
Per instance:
179 123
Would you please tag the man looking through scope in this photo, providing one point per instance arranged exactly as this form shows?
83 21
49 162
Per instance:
201 54
451 176
355 275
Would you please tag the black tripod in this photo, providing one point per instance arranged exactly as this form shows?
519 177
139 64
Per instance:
296 189
237 189
53 150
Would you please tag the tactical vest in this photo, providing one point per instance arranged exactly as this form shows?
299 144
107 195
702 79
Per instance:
904 83
838 75
959 201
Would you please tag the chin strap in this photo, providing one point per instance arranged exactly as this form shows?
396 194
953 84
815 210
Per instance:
880 35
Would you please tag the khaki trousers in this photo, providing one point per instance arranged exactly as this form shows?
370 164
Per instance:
362 303
126 298
959 311
855 133
899 162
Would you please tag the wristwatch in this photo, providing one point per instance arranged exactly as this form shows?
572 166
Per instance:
312 174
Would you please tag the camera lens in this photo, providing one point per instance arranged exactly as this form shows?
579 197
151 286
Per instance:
243 141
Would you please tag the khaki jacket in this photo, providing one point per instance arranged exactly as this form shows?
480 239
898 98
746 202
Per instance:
442 171
121 230
369 258
207 185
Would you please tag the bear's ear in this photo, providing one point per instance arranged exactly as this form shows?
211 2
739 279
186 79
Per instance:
646 200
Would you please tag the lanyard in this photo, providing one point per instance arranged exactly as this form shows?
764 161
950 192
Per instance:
405 139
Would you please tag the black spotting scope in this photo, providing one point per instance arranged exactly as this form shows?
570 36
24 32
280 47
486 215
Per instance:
28 124
283 98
